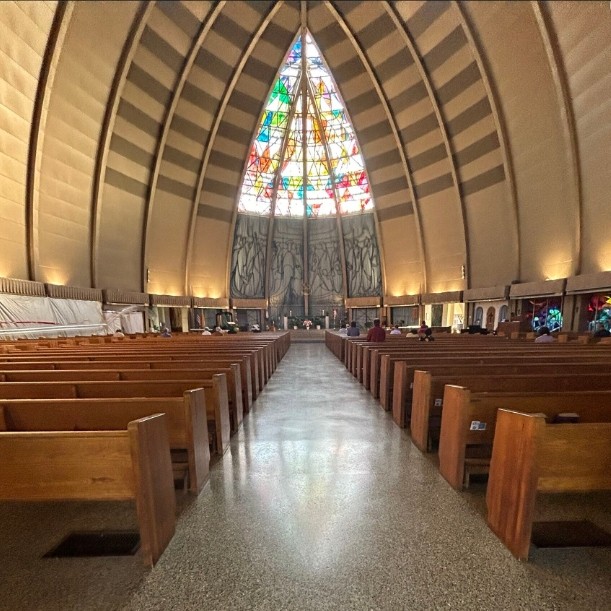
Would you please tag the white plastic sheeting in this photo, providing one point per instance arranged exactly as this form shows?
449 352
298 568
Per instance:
125 320
32 317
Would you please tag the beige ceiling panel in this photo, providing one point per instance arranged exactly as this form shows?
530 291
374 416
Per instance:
474 132
178 173
166 257
224 175
441 221
205 80
41 13
229 147
543 174
454 64
465 99
155 109
164 27
120 253
442 26
128 167
131 132
209 259
13 262
231 53
481 164
583 31
492 250
388 172
24 28
255 87
197 7
407 8
398 84
153 65
182 143
432 171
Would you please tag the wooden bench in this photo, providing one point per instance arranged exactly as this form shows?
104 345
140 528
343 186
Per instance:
427 401
531 457
468 423
467 366
217 405
394 372
185 419
91 373
133 464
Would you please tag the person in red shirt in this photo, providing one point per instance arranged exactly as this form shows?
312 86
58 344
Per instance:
376 333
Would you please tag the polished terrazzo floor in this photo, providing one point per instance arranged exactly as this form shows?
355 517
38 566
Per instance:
320 503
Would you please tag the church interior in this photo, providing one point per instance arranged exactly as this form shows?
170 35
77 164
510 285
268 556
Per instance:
268 172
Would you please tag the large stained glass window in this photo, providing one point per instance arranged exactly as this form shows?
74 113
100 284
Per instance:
308 164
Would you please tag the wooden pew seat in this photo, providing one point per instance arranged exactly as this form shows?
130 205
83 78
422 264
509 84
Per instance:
133 464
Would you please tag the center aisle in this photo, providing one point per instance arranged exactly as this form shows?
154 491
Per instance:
322 502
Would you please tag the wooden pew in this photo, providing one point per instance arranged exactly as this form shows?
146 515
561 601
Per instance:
217 404
91 372
185 419
488 365
468 423
531 457
427 402
103 465
393 366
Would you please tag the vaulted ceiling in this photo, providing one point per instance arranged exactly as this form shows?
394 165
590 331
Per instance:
125 129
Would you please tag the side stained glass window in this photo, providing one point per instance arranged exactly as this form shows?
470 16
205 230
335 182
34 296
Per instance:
305 165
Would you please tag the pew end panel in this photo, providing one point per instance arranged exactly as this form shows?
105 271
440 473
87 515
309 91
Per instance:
530 456
467 434
154 485
132 464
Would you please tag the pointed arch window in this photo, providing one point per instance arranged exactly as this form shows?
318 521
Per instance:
317 154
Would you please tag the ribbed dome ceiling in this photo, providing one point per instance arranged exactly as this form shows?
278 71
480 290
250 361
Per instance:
126 129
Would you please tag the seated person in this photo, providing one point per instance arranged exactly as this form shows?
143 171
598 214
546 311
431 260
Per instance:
376 333
428 336
395 330
601 331
165 332
255 328
353 330
543 336
206 331
343 330
422 330
118 333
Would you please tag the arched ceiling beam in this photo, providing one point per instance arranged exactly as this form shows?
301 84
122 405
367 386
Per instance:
185 70
129 49
338 218
57 34
210 143
441 122
270 228
399 142
554 57
501 128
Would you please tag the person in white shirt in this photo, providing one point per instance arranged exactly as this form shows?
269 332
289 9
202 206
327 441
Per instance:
395 330
544 336
206 331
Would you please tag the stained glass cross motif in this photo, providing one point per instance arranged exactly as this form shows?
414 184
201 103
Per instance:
333 177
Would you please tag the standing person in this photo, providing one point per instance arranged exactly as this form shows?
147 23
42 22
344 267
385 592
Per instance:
353 330
376 333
